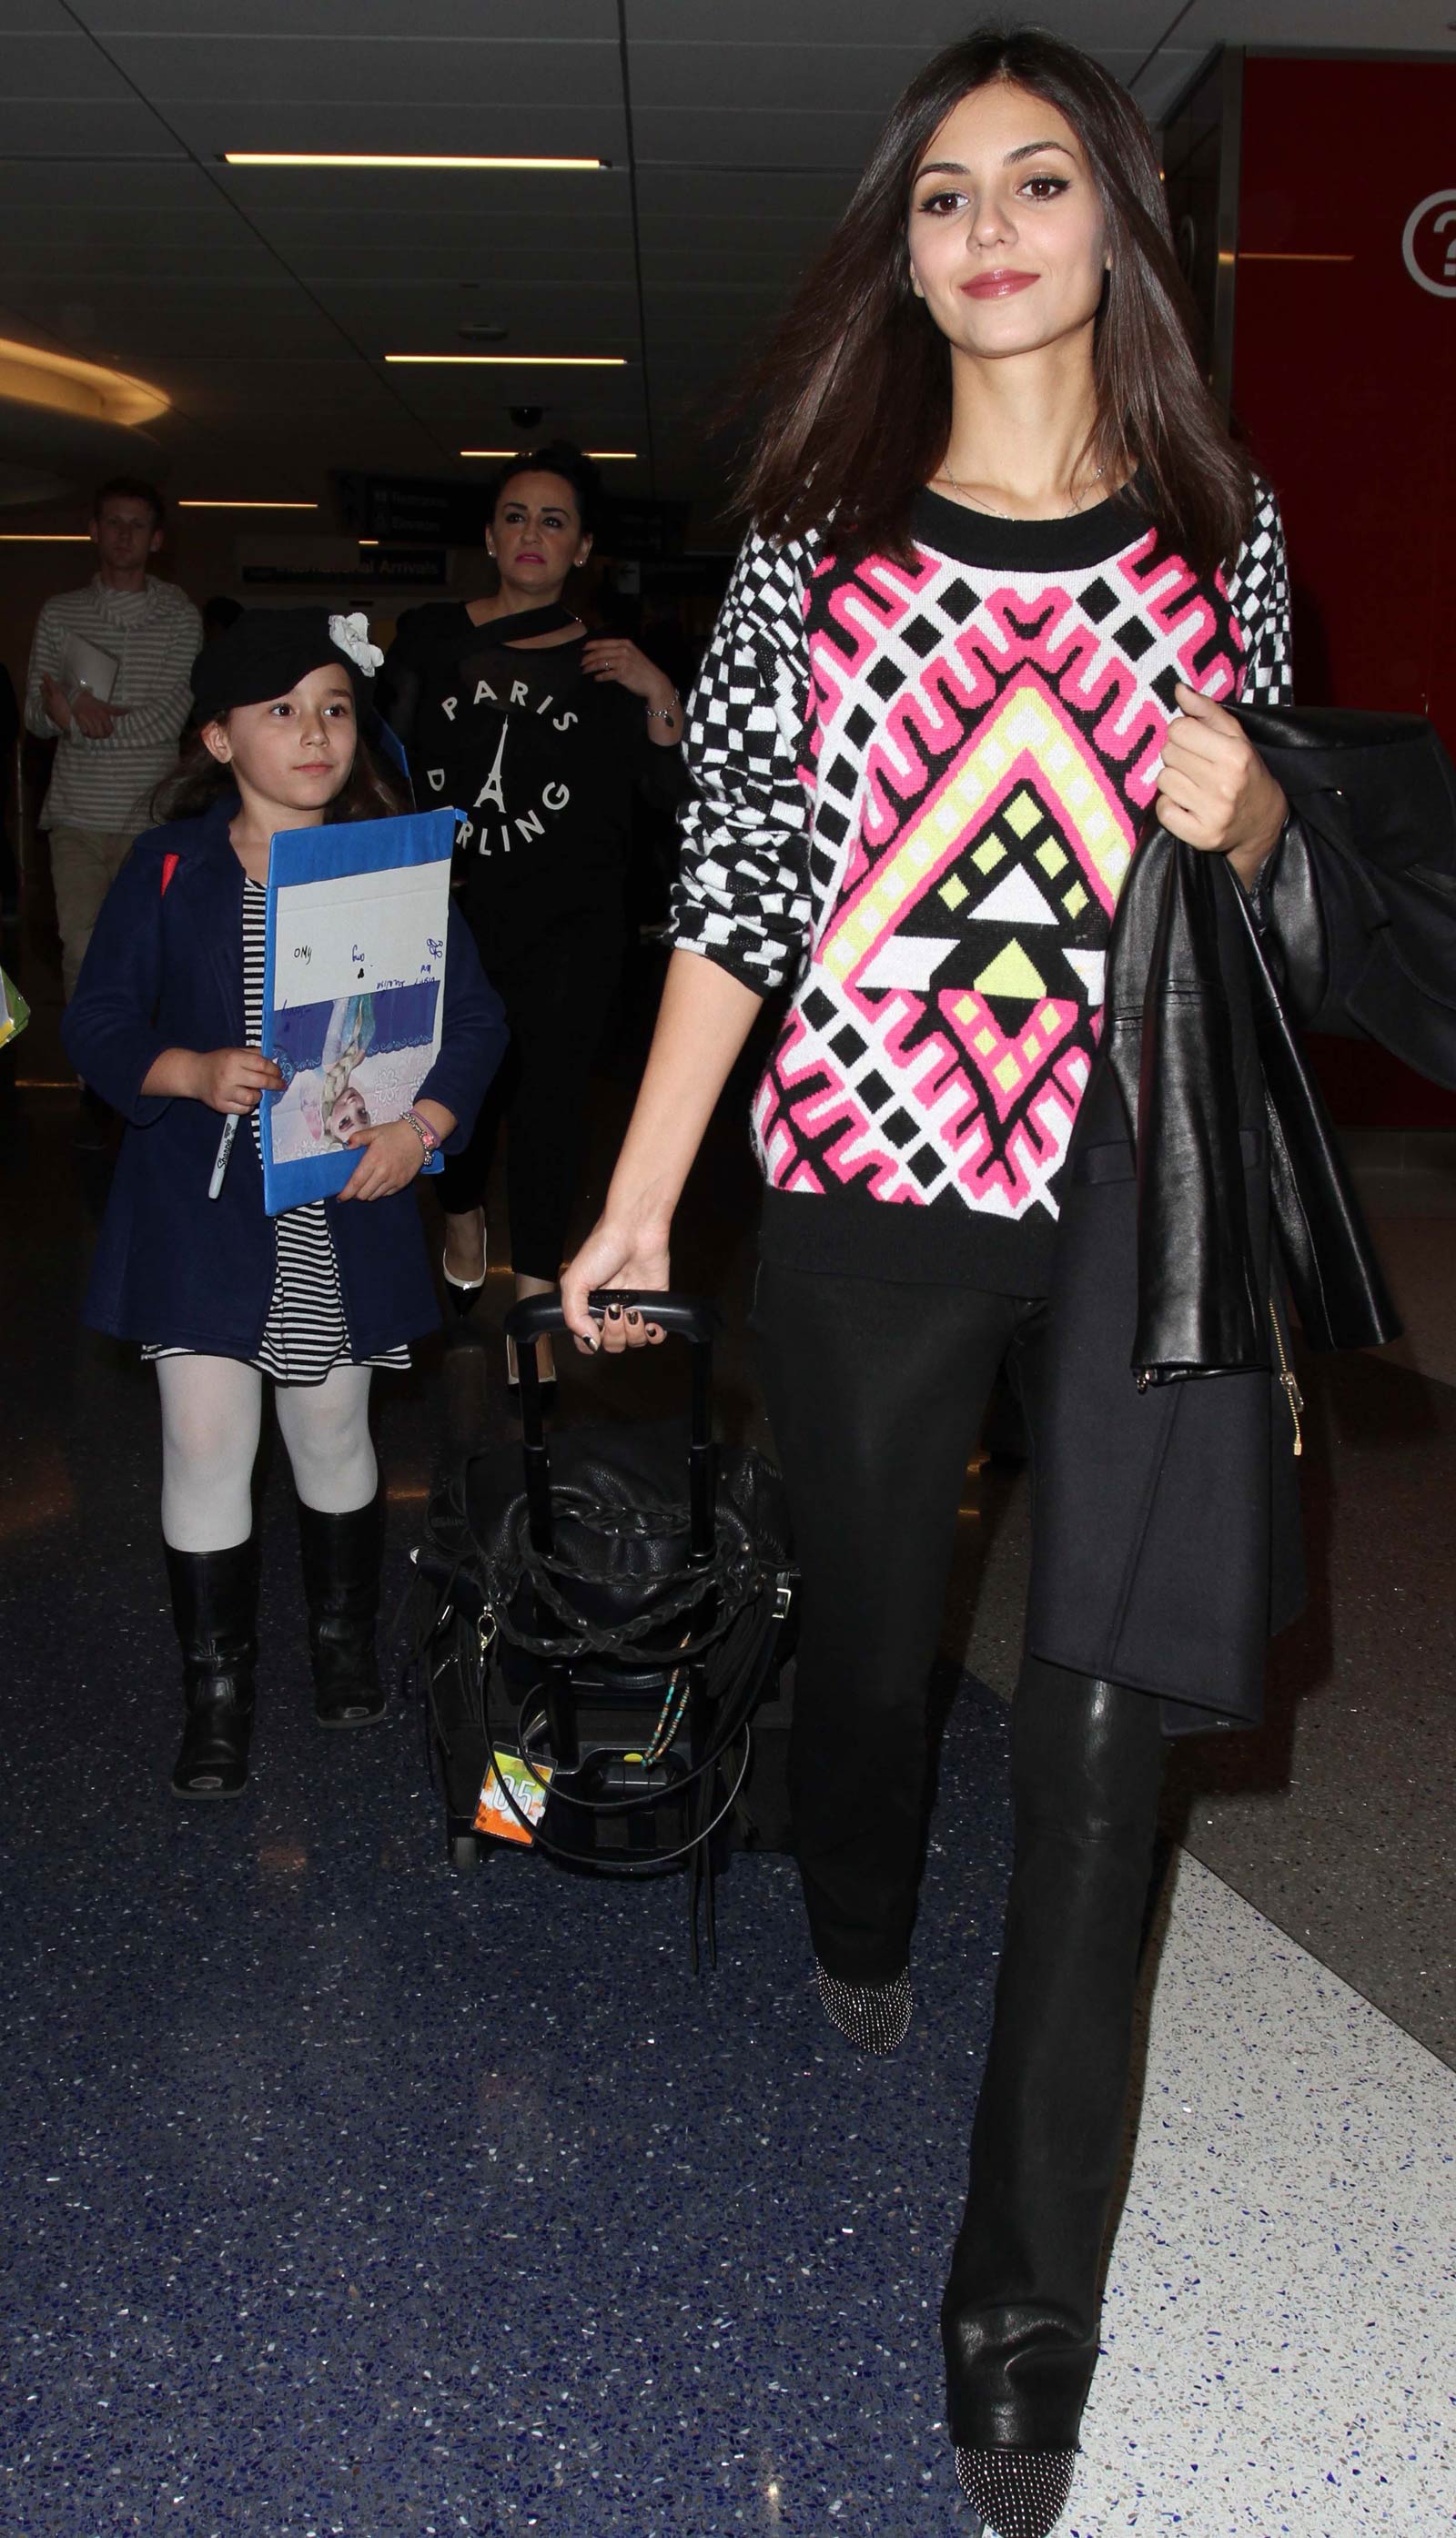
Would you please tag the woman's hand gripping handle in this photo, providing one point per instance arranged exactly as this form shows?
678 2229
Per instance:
705 1017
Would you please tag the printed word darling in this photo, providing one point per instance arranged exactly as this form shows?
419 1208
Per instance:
490 837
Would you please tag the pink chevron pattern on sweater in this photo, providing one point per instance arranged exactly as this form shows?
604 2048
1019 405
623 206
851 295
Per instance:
986 756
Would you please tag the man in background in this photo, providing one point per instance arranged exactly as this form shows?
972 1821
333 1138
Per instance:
109 682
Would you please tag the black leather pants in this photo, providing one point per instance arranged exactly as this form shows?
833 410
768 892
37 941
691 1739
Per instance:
1020 2312
875 1393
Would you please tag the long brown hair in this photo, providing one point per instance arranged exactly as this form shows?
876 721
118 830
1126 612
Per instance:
198 780
857 379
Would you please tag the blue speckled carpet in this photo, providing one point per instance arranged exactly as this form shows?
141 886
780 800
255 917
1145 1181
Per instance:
343 2195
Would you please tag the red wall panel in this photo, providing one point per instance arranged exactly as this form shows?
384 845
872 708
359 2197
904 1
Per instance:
1345 381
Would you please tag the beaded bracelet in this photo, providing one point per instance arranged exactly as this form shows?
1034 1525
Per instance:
422 1130
663 713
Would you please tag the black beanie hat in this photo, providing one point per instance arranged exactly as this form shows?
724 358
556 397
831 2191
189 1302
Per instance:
266 651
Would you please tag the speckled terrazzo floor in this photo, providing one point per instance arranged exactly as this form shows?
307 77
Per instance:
1281 2304
345 2198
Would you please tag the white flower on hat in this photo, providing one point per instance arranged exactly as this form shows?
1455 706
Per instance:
352 634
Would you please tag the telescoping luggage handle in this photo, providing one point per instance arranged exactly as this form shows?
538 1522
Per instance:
684 1317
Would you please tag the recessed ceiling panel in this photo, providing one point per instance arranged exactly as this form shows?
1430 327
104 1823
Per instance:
782 78
726 266
174 189
543 317
36 18
459 392
58 66
246 71
82 129
667 195
170 319
921 25
203 384
770 137
49 244
466 283
691 322
423 22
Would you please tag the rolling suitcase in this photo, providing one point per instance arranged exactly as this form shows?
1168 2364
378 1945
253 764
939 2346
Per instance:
602 1622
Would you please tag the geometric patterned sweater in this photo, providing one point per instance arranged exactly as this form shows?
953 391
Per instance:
917 792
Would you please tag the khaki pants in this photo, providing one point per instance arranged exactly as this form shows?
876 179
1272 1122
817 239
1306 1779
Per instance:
84 863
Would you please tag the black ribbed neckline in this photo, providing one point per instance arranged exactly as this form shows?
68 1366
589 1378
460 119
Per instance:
978 539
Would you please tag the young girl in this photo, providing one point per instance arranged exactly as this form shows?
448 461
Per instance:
165 1023
1006 567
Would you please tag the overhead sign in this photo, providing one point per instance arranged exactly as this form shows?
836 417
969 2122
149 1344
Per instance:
424 510
1429 245
335 563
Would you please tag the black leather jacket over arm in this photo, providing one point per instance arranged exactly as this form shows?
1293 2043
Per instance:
1353 928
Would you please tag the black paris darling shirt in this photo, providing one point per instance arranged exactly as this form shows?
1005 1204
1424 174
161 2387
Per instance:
542 761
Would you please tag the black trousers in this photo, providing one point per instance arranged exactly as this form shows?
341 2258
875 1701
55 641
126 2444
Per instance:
558 991
876 1393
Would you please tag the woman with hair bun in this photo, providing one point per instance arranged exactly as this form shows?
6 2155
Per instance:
539 732
1006 569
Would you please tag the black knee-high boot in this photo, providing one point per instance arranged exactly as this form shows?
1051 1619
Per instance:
342 1556
215 1606
1021 2312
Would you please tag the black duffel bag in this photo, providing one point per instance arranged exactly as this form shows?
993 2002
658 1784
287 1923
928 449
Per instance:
630 1555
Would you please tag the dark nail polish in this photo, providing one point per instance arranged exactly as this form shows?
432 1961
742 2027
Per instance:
635 1319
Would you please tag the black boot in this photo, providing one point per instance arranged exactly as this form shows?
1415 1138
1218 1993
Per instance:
341 1588
1020 2314
215 1606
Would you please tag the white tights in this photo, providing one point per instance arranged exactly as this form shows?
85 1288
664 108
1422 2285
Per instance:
212 1417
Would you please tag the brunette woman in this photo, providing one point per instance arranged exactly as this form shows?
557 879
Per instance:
165 1022
1005 566
540 734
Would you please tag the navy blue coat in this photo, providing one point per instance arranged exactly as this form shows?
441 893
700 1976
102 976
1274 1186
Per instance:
165 971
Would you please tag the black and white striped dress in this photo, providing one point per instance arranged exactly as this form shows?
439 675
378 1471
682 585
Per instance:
306 1334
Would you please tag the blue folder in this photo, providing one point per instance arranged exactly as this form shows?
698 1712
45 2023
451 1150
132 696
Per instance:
385 1006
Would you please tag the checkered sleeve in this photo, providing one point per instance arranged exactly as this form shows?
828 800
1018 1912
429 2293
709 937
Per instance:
1259 592
742 897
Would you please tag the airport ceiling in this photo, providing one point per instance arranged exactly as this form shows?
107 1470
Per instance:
263 301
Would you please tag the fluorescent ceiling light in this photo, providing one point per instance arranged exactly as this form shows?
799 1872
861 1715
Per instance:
392 158
511 453
216 502
514 360
33 376
44 538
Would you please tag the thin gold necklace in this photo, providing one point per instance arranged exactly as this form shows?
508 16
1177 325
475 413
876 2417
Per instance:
990 507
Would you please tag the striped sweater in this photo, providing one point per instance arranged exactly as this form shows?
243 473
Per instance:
155 634
917 792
